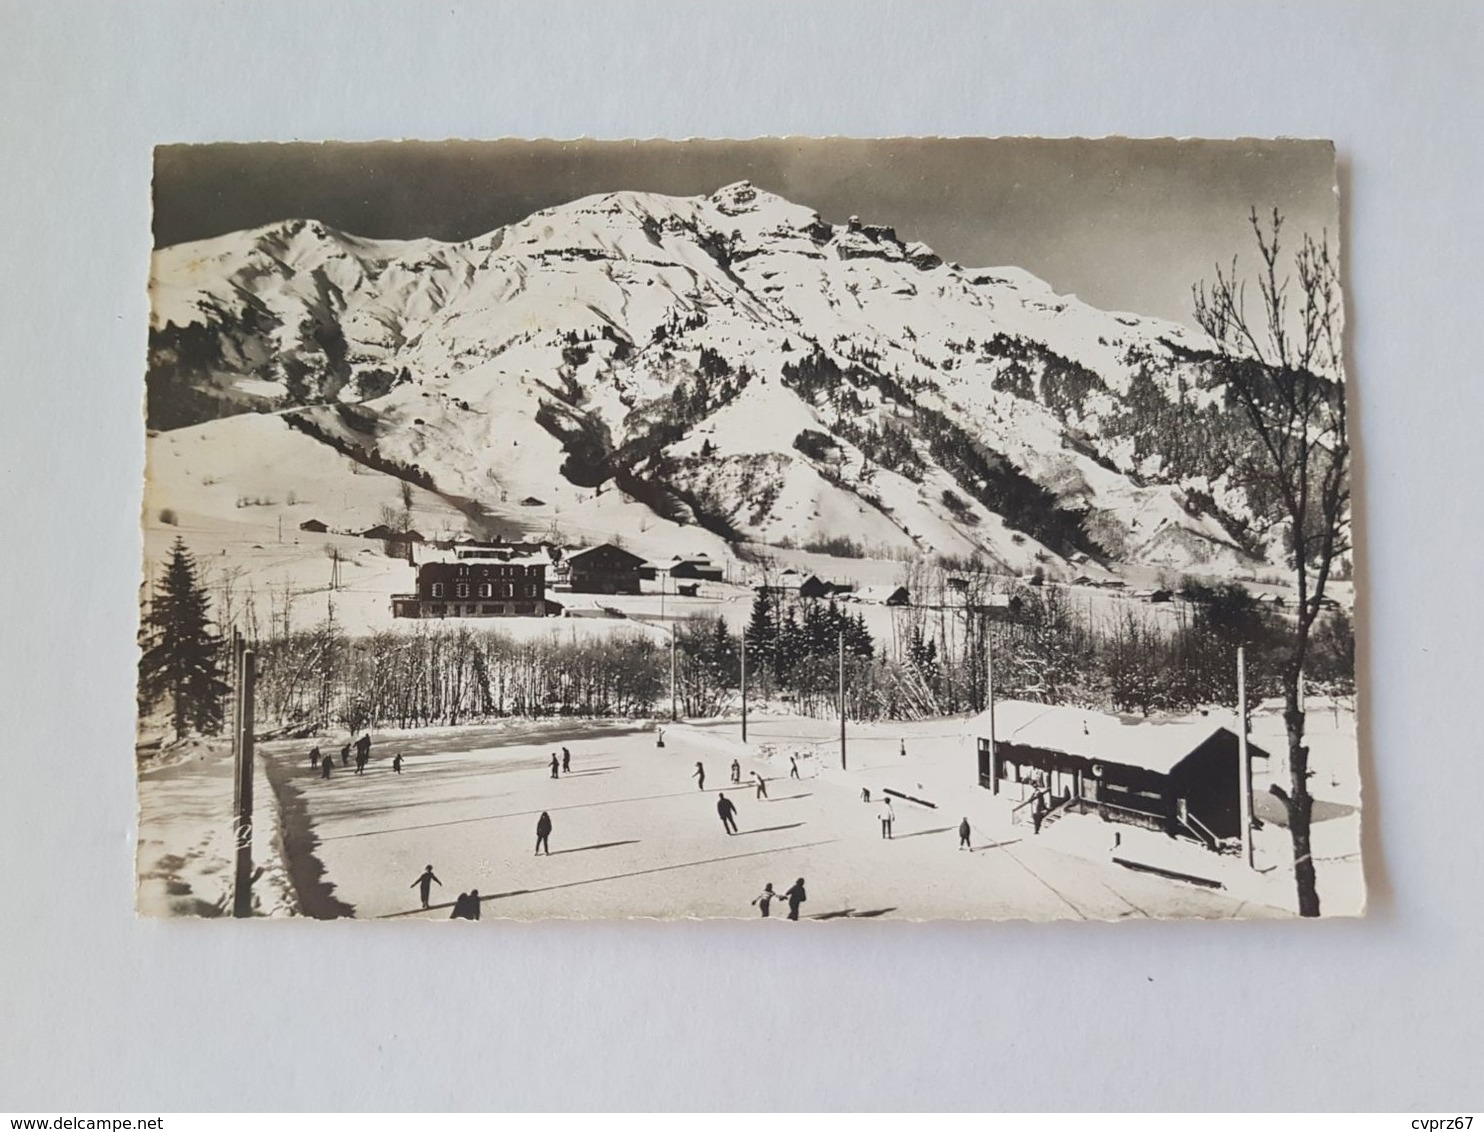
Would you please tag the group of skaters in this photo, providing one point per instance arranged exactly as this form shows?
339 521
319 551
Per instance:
467 905
325 762
888 818
758 782
795 896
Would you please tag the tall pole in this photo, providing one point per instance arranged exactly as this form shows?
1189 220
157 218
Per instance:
1244 763
744 683
674 714
994 753
842 701
237 647
242 888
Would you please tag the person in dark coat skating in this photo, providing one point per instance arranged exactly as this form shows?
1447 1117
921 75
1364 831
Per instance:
426 883
700 776
566 761
963 834
326 765
543 833
345 755
728 813
795 896
362 758
314 757
736 772
793 766
397 762
761 784
555 766
363 747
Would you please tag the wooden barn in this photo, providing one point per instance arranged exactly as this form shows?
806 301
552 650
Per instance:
476 588
1179 775
815 587
605 569
697 567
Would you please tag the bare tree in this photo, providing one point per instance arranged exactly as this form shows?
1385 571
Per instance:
1283 367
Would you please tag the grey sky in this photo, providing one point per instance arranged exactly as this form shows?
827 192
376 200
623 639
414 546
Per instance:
1126 225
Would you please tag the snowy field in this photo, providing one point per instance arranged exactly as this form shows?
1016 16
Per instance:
633 836
184 855
236 490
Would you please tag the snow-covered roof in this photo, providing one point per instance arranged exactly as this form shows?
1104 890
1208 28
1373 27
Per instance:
879 593
1156 744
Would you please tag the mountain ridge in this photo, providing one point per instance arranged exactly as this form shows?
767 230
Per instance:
730 360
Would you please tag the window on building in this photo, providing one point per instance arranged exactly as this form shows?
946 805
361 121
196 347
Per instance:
462 590
438 589
484 589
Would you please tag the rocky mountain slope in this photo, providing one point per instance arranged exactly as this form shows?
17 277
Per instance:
730 361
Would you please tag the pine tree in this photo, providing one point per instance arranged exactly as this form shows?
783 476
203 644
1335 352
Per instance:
762 633
182 653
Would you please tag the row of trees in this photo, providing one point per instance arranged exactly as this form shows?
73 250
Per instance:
1044 647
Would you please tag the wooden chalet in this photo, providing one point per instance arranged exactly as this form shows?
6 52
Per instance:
605 569
1179 775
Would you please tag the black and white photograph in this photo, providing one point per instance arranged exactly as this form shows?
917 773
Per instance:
790 529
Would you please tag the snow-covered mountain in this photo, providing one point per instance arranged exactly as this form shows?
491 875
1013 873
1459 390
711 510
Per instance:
731 361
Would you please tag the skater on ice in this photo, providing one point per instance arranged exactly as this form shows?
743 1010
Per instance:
793 766
426 883
728 813
700 776
345 754
397 762
555 766
761 784
888 816
659 736
566 761
326 765
362 758
363 748
736 772
765 898
963 834
795 897
543 833
314 756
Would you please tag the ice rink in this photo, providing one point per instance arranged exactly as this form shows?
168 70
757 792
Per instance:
634 836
